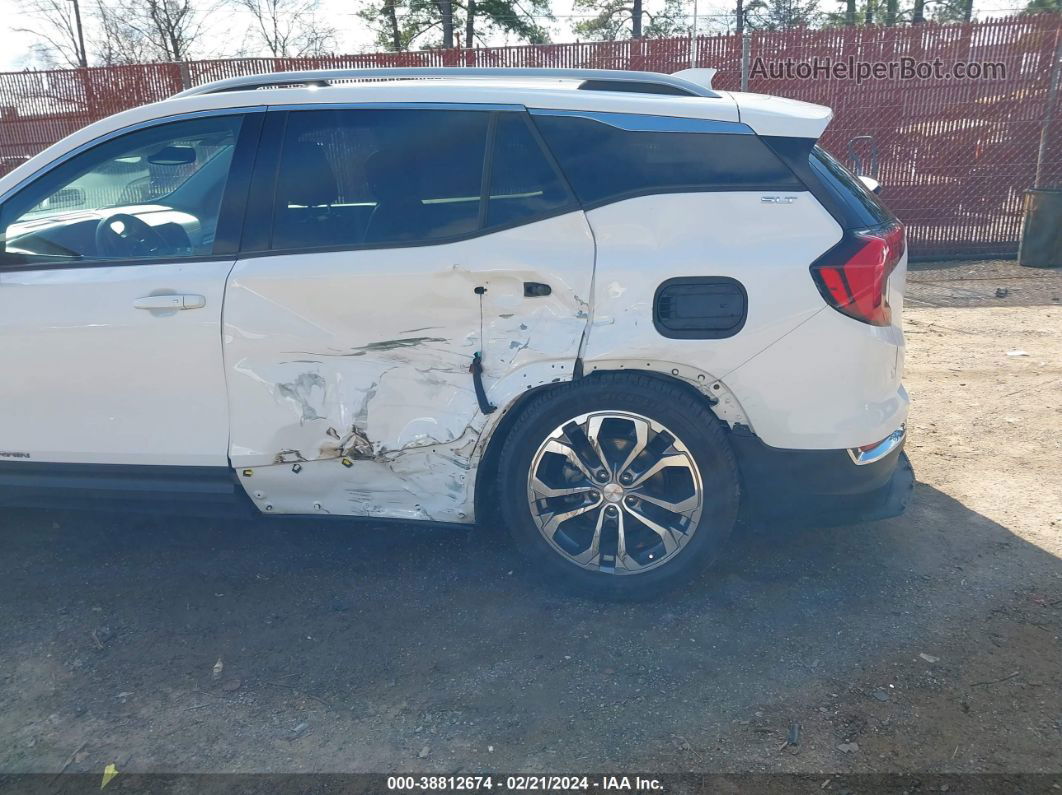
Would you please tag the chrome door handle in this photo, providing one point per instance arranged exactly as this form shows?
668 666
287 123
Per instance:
170 302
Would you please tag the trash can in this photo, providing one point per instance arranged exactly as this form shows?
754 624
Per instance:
1041 231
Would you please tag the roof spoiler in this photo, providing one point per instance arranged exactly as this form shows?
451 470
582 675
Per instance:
699 77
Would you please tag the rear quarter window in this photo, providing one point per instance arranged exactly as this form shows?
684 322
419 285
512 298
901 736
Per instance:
605 163
863 207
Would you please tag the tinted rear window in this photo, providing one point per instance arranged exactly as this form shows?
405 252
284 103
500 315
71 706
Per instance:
604 163
373 177
523 183
865 208
362 177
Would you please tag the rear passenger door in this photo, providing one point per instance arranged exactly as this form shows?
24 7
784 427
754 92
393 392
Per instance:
393 246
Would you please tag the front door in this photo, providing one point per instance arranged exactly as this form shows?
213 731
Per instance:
406 245
110 302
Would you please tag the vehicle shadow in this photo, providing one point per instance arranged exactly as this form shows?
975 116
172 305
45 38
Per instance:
280 645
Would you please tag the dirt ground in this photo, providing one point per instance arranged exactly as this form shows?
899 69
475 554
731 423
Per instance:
925 643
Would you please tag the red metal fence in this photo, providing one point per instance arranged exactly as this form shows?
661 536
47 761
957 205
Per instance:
955 156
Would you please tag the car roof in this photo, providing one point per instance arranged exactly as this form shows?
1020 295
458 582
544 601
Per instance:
559 90
690 92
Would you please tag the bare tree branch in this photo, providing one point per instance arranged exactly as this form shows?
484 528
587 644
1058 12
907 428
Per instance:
56 32
116 42
172 28
289 28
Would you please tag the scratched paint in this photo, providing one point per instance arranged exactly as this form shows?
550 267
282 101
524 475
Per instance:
301 393
349 382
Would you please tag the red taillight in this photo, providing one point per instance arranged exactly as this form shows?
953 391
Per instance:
853 275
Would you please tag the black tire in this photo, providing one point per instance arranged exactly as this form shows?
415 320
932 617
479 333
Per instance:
686 415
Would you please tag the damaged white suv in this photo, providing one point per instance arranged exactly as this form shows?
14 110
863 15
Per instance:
610 310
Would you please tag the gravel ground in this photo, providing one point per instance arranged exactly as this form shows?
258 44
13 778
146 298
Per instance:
998 282
925 643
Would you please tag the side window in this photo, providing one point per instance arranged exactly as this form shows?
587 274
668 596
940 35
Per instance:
376 177
523 183
150 194
605 162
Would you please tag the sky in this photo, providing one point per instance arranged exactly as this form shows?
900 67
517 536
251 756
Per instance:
15 46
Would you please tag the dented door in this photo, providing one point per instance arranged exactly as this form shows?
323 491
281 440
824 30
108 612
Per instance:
348 369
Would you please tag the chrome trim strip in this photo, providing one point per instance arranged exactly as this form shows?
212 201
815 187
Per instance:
639 122
233 111
880 450
321 77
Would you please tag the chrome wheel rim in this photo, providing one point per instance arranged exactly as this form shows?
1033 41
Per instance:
615 492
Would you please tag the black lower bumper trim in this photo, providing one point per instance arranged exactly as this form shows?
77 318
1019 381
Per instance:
819 487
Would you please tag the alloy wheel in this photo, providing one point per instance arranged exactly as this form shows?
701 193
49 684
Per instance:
615 492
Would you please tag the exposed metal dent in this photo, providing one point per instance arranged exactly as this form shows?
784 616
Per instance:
288 457
354 445
425 478
300 392
343 403
419 482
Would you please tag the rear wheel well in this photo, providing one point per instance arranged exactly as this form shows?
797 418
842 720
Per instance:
486 495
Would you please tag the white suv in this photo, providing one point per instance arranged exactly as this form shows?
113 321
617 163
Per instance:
619 308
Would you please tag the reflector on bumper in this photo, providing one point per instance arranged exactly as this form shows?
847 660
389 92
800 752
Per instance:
869 453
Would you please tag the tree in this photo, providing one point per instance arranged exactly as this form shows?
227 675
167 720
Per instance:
171 28
382 18
866 13
510 16
57 27
289 28
610 20
401 25
446 21
952 10
782 14
1043 6
615 19
116 42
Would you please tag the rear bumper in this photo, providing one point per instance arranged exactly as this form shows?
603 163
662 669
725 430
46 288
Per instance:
821 487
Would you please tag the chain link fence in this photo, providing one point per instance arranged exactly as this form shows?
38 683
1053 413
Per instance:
953 153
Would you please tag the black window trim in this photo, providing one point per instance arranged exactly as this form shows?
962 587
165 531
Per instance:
229 231
261 203
257 240
249 113
486 175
